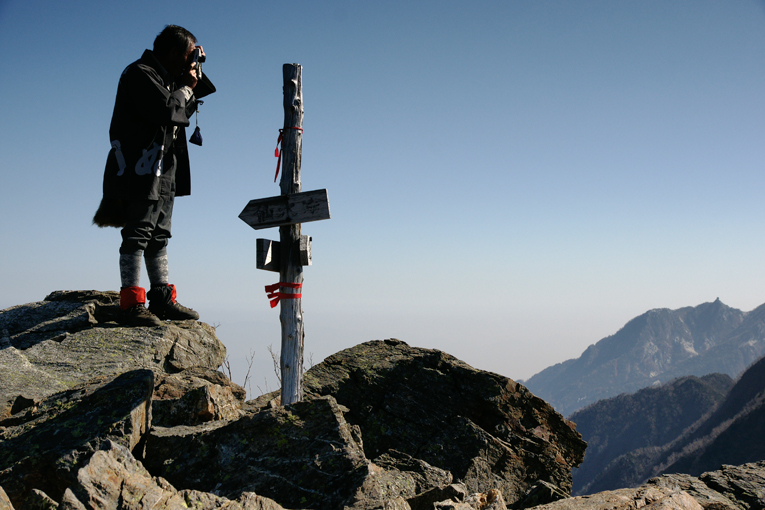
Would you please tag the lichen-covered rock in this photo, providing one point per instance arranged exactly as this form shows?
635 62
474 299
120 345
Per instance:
729 488
71 337
43 447
540 493
112 475
113 479
452 493
455 497
745 483
194 396
704 495
646 498
487 430
424 476
397 503
379 487
61 312
302 456
208 501
395 476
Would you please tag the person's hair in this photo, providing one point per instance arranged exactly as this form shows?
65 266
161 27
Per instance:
173 36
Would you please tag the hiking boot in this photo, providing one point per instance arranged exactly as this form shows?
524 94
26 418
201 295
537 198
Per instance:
173 312
138 315
132 311
162 303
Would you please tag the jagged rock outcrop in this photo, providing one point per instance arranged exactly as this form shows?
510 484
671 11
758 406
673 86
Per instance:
648 498
416 410
70 337
43 446
656 347
113 478
729 488
304 456
194 396
72 380
143 407
487 430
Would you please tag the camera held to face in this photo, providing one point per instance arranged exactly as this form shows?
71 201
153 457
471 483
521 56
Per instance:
197 58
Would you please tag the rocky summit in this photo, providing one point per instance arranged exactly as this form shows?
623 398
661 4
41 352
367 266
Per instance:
98 416
71 337
402 421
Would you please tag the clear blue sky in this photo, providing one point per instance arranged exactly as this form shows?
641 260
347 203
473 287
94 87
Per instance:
509 181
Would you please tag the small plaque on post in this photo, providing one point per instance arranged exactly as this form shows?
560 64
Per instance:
305 250
269 253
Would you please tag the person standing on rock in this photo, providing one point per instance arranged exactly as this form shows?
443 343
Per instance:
148 166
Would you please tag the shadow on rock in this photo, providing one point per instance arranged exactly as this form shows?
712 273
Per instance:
43 448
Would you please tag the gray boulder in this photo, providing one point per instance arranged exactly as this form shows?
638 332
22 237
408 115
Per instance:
729 488
112 478
395 480
195 396
645 498
74 449
43 446
303 456
423 476
487 430
70 337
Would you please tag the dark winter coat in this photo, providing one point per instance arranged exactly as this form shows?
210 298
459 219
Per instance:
147 110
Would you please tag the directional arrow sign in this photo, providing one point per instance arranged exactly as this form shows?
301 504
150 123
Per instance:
286 209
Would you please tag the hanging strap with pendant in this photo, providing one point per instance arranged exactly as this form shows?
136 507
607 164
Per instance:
196 136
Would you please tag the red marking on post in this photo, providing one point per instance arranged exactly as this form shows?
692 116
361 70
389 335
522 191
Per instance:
275 295
278 153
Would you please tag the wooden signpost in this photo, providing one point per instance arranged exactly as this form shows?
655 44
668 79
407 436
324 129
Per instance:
287 209
293 251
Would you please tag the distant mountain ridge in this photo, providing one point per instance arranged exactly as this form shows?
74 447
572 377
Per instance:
736 430
653 348
650 418
681 427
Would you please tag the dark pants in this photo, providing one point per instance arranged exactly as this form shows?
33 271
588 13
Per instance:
147 226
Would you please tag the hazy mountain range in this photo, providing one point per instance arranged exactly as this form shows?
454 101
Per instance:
649 418
654 348
690 425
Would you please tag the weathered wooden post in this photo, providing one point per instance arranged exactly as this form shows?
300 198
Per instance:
293 251
291 271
